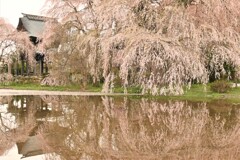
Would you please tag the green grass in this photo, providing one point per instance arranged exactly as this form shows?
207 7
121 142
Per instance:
200 93
129 90
203 93
196 93
35 86
92 88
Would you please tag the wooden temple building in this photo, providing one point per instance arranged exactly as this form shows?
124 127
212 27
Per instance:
34 26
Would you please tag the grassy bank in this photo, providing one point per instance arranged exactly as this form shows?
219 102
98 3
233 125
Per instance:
196 93
204 93
35 86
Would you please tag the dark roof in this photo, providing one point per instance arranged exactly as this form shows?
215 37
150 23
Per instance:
31 147
33 24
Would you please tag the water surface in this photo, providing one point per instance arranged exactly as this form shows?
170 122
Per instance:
103 127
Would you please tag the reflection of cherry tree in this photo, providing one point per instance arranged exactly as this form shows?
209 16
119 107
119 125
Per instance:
123 128
226 134
16 120
5 143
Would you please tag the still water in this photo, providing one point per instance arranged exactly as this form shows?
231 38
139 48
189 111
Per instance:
124 128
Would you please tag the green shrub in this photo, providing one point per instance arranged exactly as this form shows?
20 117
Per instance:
220 86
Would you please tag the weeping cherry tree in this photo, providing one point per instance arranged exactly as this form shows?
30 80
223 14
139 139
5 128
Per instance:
158 46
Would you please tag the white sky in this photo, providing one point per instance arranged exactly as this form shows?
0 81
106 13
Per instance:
12 9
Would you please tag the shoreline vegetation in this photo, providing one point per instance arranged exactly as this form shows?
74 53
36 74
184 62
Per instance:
197 92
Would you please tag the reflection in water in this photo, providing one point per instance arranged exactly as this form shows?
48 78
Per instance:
80 127
16 120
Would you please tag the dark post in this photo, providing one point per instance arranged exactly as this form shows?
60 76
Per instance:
27 66
10 67
34 69
41 66
22 67
22 58
46 68
40 59
16 67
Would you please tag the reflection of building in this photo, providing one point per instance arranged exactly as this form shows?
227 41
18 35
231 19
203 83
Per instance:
34 26
31 147
34 146
26 115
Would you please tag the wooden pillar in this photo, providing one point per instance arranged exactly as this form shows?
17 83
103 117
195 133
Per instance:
10 67
22 67
27 68
16 67
34 68
46 68
41 66
5 68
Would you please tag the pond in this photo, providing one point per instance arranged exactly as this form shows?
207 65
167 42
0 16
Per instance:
117 127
